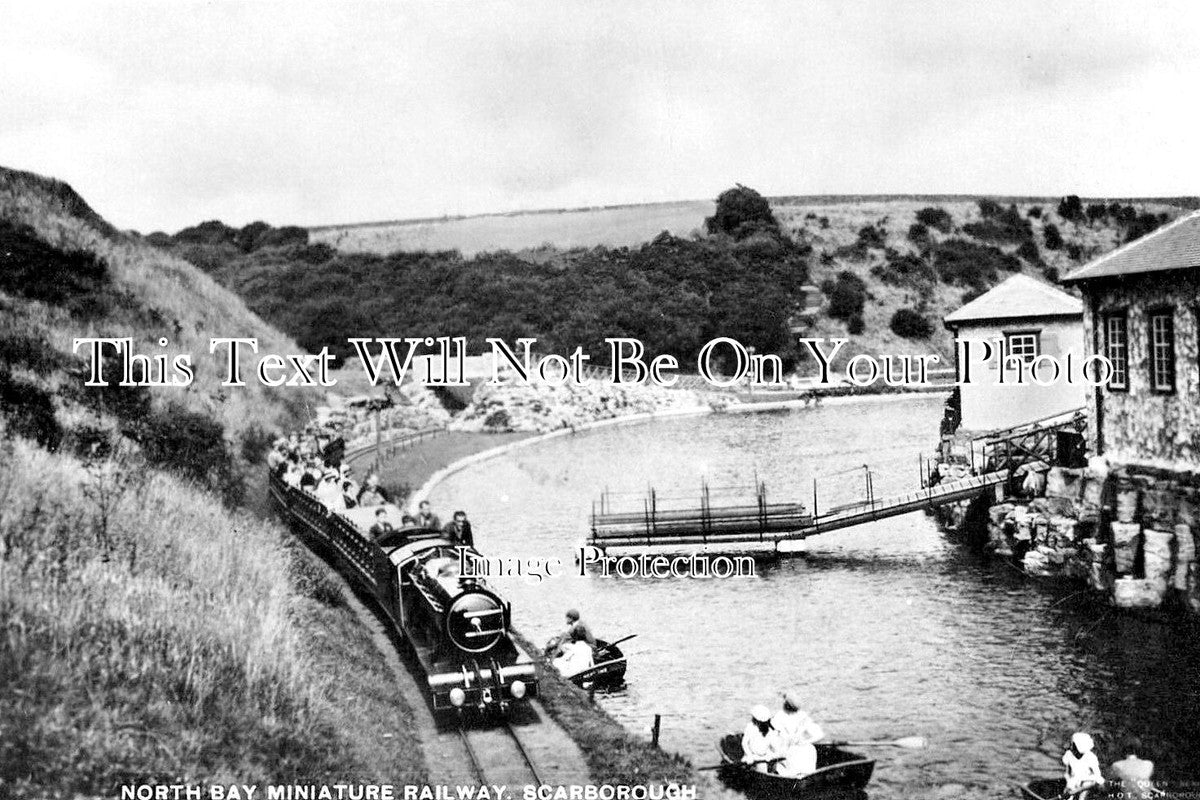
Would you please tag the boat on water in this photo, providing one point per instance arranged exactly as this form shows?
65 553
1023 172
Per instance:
1052 789
608 670
839 773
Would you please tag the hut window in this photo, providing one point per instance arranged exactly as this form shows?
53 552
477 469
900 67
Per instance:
1162 351
1021 345
1116 349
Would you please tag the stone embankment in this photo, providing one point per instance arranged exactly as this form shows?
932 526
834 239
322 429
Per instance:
1130 533
542 408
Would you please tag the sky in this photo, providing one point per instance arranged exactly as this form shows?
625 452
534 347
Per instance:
165 114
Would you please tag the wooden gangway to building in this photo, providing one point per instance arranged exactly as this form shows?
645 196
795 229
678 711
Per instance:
1004 455
766 523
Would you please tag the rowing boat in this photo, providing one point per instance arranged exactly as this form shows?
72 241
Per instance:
1052 789
608 671
839 772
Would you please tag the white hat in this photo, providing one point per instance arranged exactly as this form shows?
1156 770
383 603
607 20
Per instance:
792 698
760 713
1083 742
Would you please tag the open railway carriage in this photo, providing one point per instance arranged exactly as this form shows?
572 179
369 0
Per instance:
457 627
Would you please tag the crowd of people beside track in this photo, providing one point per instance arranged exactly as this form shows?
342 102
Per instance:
314 465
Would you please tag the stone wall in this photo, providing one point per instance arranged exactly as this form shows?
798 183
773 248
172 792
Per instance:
1139 426
1129 533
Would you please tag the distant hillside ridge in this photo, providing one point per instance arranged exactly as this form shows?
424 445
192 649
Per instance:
622 225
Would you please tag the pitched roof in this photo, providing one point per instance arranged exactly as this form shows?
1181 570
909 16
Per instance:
1173 246
1018 297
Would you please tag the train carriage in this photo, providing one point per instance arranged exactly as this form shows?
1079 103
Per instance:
458 628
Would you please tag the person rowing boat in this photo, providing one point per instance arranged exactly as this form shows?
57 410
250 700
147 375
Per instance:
761 743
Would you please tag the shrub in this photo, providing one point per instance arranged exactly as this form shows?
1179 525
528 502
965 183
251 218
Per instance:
1096 212
1051 274
1071 208
1145 223
1002 225
905 269
989 208
918 234
32 352
741 211
1054 240
965 263
855 326
28 411
869 236
911 324
847 295
1034 212
1029 251
1074 251
31 268
935 217
189 444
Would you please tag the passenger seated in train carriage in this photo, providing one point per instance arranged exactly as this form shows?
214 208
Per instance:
276 456
381 526
292 471
426 518
458 531
349 488
371 493
408 521
329 492
576 656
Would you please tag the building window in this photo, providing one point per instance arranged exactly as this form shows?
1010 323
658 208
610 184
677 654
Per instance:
1162 351
1021 345
1116 350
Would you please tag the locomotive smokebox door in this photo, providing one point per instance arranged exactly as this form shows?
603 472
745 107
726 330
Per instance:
475 622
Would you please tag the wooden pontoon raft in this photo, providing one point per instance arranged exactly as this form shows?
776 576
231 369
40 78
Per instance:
761 524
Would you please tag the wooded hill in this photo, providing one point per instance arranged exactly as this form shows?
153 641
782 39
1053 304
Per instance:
889 268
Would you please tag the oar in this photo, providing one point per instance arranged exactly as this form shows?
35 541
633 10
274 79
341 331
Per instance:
618 641
909 742
739 764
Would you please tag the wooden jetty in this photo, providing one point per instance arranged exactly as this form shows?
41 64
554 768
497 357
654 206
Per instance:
1005 455
767 523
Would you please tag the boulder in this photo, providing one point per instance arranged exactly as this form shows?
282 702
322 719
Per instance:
1127 538
1137 593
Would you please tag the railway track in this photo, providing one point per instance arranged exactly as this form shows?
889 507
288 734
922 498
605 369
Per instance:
498 756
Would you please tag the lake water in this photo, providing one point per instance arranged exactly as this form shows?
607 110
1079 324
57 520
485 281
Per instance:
889 629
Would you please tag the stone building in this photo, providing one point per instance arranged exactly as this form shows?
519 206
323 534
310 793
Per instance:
1143 313
1026 320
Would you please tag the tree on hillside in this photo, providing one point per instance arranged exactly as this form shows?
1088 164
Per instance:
1071 208
935 217
741 211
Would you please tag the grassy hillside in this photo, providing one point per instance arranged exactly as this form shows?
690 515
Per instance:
152 633
903 270
620 226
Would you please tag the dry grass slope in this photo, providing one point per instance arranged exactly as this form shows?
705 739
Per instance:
149 634
182 303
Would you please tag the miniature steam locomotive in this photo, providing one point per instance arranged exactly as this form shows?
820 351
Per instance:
457 628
